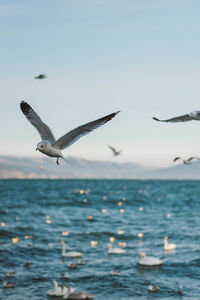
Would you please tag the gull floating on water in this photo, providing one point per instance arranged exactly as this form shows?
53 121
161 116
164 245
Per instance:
41 76
10 274
112 272
195 115
49 145
180 290
168 246
8 284
115 152
71 254
72 266
153 288
149 261
186 161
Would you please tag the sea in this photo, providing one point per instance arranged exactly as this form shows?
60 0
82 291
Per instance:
36 215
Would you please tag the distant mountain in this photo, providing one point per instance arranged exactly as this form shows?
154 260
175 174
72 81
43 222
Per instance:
27 167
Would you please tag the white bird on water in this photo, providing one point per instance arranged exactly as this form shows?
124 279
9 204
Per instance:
186 161
149 261
167 246
71 254
115 152
195 115
153 288
79 295
58 291
112 250
49 145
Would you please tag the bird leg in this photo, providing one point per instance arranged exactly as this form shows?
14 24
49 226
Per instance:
57 160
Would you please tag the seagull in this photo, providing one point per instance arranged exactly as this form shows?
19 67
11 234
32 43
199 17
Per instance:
195 115
8 284
115 152
153 288
180 290
49 145
186 161
41 76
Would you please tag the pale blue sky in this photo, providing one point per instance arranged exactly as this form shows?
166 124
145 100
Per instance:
100 56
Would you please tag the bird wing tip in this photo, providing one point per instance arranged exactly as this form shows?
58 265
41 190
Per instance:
156 119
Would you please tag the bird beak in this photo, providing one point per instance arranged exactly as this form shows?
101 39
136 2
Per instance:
36 149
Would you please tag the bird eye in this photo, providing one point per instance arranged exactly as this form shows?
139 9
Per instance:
41 146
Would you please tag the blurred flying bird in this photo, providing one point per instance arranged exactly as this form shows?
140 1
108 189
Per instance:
186 161
41 76
115 152
195 115
49 145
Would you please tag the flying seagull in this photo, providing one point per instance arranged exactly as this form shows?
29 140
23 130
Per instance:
41 76
115 152
195 115
49 145
186 161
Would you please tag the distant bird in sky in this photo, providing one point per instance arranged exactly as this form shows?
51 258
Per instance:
186 161
115 152
49 145
195 115
41 76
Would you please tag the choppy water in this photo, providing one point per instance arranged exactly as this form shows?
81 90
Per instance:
26 203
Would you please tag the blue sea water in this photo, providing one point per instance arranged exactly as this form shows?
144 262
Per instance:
155 208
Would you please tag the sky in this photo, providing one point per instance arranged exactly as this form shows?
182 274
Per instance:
100 56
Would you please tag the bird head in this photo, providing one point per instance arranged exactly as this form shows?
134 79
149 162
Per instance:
41 146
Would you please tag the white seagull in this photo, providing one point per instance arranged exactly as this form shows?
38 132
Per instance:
49 145
115 152
195 115
186 161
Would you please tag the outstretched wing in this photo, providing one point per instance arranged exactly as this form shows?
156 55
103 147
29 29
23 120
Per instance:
113 149
191 158
71 137
183 118
176 158
35 120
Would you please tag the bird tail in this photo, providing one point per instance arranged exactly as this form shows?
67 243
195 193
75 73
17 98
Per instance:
67 161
